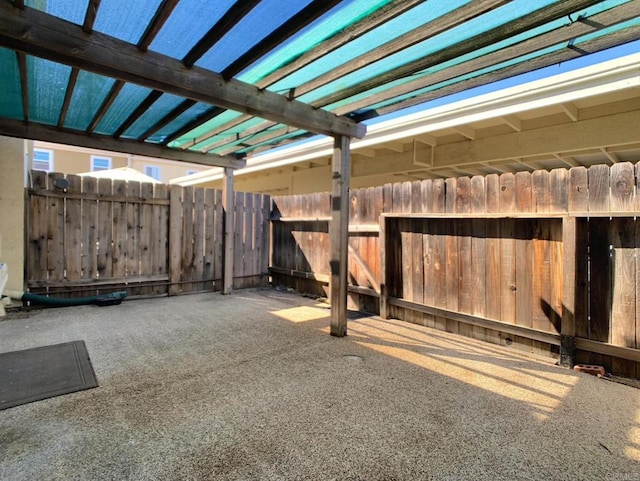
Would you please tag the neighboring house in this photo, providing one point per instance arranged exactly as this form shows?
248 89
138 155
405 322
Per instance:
69 159
582 117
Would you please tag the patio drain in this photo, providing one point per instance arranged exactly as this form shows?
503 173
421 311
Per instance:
353 358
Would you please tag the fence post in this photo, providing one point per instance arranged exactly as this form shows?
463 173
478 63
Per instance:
339 234
228 214
384 290
568 326
175 239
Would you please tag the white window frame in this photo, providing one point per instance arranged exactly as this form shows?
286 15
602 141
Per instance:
50 161
152 171
100 157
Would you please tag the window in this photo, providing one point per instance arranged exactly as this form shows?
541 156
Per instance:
42 160
191 172
152 171
100 163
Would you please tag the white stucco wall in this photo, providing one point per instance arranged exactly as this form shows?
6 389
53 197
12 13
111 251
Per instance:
12 209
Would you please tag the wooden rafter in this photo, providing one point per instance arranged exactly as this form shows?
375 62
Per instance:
141 109
248 142
16 128
71 84
497 34
47 36
201 119
221 129
90 16
115 90
385 14
160 17
300 20
431 29
169 117
602 43
217 31
24 84
256 129
554 37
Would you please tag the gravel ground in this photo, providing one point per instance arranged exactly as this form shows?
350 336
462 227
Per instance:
251 387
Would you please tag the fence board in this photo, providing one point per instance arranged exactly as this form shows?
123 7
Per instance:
105 230
55 233
478 254
452 262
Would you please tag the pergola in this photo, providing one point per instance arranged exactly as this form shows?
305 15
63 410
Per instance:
215 82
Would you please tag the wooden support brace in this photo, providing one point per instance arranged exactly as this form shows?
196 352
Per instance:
228 209
384 290
339 235
568 327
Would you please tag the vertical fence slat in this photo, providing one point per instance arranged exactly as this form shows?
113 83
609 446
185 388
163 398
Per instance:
89 261
55 233
452 263
524 257
478 254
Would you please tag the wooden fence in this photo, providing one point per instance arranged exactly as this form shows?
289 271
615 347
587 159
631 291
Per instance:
99 235
530 260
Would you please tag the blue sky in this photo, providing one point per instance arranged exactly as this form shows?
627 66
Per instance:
573 64
580 62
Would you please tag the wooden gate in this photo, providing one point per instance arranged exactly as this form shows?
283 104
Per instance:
98 235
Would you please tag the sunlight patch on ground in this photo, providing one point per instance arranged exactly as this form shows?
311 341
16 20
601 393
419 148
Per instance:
464 360
633 450
301 314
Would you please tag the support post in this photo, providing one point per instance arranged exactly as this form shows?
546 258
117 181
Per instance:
339 234
384 290
568 326
228 208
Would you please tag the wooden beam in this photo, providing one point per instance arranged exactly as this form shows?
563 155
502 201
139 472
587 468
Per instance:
616 129
366 151
228 208
613 158
339 235
428 30
349 34
512 121
37 33
466 131
17 128
570 110
279 36
90 15
576 29
365 269
484 39
73 78
113 94
159 18
527 332
231 18
24 84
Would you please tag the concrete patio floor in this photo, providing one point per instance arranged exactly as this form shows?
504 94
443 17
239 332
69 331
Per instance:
251 387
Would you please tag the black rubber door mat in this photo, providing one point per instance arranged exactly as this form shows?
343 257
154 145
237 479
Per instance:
44 372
